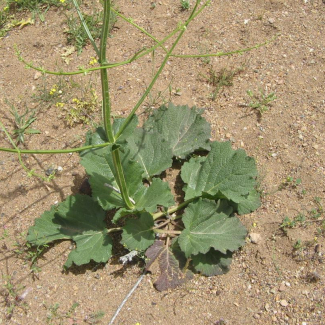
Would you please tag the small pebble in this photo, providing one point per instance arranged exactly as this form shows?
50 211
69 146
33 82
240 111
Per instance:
37 75
255 238
282 287
283 303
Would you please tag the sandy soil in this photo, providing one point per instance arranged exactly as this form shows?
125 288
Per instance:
276 279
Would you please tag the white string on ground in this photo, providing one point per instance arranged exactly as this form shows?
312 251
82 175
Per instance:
126 298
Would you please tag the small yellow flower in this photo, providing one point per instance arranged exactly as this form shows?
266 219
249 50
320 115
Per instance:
58 104
62 1
92 61
53 89
6 8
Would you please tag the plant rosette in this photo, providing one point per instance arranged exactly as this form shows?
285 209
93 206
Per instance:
218 184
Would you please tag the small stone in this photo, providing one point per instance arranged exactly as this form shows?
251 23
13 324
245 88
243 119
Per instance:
273 291
282 287
267 307
256 316
284 303
37 75
255 238
59 169
271 20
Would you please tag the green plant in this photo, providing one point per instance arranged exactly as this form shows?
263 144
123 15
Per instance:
185 4
298 245
4 18
94 318
262 101
36 7
77 35
23 123
55 315
298 220
223 78
126 163
13 296
79 111
290 182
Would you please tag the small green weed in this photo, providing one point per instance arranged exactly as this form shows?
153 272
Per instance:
309 217
48 95
55 316
185 4
292 223
4 18
290 182
80 111
5 234
261 102
223 78
158 98
76 34
23 123
321 229
298 244
94 318
38 8
12 296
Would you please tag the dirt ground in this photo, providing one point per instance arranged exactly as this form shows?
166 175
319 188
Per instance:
279 275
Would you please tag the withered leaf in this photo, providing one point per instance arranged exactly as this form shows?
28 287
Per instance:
170 274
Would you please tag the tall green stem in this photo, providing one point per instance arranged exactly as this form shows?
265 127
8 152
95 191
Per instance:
106 108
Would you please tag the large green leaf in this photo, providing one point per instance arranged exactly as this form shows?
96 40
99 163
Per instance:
223 173
158 193
148 198
102 179
248 203
137 233
99 166
212 263
80 219
183 127
128 131
151 151
207 227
